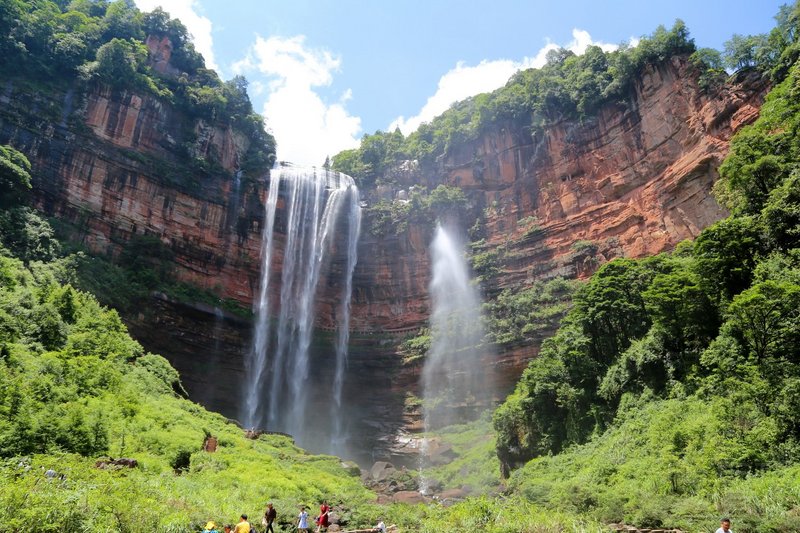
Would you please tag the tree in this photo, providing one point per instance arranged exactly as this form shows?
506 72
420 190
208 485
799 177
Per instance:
725 255
767 316
118 62
742 51
15 177
782 215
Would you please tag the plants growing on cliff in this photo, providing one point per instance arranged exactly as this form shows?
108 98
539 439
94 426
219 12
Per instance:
387 217
518 317
678 373
58 42
568 86
15 177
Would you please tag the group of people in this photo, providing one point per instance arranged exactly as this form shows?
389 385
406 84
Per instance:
322 521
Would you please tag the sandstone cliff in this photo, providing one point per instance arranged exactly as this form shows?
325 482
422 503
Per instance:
116 164
635 180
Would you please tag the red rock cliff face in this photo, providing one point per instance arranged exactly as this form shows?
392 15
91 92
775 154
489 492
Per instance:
634 181
116 165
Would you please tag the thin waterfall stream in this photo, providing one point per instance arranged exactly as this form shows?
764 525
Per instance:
319 217
457 383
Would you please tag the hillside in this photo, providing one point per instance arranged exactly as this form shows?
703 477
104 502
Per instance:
679 371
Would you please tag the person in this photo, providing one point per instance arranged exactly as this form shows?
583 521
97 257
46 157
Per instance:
380 527
302 523
243 526
725 526
228 528
269 517
323 520
210 528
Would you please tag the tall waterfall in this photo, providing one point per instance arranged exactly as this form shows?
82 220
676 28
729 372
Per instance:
457 379
279 380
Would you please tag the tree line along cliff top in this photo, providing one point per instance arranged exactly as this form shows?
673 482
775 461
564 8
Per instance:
82 43
571 86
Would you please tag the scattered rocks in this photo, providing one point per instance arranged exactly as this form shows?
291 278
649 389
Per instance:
624 528
452 495
381 470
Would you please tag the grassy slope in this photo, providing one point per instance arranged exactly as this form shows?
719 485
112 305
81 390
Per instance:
74 388
95 380
663 464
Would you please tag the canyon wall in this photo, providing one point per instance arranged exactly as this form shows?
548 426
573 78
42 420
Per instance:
113 165
634 180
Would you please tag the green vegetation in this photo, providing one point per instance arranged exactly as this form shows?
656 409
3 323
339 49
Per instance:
423 207
518 317
90 41
76 389
669 394
475 465
568 86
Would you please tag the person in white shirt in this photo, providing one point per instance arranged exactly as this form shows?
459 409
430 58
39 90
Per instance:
381 527
725 526
302 523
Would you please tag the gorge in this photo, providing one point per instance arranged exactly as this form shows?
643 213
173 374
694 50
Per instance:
633 181
569 304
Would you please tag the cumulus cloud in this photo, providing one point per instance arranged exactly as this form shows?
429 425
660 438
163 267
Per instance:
187 12
464 81
306 127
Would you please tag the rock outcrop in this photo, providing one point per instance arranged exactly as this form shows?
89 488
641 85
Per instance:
114 165
632 181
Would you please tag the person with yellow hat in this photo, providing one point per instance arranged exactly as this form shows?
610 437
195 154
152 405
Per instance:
210 528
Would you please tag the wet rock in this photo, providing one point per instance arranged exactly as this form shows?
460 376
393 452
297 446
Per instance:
381 470
351 468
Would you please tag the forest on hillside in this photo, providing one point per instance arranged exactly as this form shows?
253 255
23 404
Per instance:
668 396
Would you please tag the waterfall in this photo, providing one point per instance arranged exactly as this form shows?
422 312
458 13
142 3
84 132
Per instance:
456 381
338 437
278 369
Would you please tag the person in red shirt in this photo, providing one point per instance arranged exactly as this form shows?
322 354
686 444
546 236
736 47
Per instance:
323 520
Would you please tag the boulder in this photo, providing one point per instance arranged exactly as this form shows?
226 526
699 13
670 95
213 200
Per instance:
381 470
408 496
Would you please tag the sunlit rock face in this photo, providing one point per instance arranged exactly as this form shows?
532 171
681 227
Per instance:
115 165
634 181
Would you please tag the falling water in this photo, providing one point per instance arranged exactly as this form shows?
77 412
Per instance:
279 383
338 436
456 382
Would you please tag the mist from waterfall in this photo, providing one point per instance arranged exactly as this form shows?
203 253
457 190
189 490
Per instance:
279 380
457 381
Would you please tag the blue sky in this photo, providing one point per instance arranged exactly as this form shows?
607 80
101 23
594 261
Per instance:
324 72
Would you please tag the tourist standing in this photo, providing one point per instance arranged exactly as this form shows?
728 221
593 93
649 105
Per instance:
725 526
302 523
269 517
243 526
323 519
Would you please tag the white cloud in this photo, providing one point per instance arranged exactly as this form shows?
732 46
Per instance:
306 128
199 27
464 81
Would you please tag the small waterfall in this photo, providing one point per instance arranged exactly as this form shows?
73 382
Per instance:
338 435
456 378
279 381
